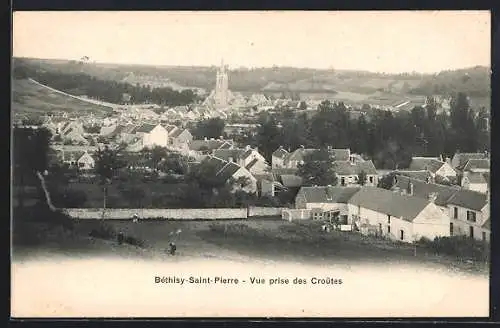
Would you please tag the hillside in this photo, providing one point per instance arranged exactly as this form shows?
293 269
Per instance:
31 98
346 85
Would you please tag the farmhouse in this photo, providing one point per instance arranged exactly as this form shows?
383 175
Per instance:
80 159
476 181
231 172
180 138
470 214
435 166
400 217
326 202
476 165
348 171
152 135
246 157
425 190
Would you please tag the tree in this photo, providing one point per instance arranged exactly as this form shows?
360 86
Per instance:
211 128
268 136
30 159
107 163
362 178
318 169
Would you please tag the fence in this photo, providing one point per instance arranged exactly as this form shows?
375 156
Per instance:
178 214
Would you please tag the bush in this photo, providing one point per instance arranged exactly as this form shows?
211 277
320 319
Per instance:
103 231
134 241
462 247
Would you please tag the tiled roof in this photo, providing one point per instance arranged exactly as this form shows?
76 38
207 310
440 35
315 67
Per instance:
209 144
348 168
469 199
145 128
425 163
327 194
419 175
225 154
476 177
388 202
487 224
462 158
423 189
477 164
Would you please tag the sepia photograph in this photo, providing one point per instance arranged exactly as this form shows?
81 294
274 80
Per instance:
317 164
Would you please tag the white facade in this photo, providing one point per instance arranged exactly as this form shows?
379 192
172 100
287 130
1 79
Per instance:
430 223
446 171
242 172
467 222
156 137
479 187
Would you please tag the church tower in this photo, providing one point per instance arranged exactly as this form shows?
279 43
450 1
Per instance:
221 87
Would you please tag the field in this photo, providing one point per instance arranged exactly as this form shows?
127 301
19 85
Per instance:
379 278
28 97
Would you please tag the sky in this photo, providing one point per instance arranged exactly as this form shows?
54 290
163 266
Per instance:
391 42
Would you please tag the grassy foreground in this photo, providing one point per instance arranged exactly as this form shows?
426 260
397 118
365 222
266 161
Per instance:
240 240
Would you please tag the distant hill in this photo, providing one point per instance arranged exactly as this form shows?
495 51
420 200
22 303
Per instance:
31 98
348 85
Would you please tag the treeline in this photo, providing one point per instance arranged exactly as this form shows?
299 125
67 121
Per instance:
106 90
389 139
475 82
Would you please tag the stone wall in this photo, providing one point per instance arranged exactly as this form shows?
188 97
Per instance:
180 214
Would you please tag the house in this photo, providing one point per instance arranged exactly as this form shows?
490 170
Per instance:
73 136
396 216
476 165
180 138
425 190
326 202
477 181
460 159
469 213
246 157
298 156
230 171
347 172
207 146
152 135
434 165
278 157
80 159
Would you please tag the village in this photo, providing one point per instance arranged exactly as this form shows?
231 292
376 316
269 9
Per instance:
432 197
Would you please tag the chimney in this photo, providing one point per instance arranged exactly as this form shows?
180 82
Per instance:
247 147
205 138
448 160
302 146
212 139
410 189
432 197
221 137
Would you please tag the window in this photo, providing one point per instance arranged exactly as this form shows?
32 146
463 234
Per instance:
471 232
342 182
388 229
388 219
380 227
401 235
471 216
451 228
343 219
455 212
371 179
484 235
81 164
